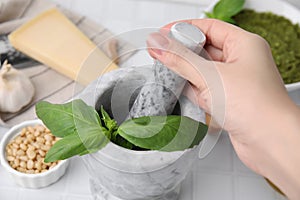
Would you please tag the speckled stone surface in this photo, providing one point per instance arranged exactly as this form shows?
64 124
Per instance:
118 173
160 94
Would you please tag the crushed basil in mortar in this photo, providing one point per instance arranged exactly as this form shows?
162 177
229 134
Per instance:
282 35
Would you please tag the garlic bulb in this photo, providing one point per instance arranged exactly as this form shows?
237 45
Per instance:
16 89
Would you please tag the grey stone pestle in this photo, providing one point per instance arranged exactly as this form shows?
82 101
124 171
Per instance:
160 94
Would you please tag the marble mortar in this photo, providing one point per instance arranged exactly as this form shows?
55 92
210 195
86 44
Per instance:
117 173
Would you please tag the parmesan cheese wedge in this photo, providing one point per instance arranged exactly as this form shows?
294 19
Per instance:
52 39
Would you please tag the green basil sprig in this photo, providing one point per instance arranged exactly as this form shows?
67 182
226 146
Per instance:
77 124
83 131
226 9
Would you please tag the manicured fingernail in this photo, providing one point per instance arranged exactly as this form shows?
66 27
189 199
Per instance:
157 43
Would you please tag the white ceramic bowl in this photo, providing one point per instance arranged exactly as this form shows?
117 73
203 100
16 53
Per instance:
278 7
30 180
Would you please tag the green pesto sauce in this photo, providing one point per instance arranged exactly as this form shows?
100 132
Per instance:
283 37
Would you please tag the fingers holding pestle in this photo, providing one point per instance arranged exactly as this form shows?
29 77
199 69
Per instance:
160 94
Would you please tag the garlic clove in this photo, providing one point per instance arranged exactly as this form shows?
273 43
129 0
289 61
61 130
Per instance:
16 89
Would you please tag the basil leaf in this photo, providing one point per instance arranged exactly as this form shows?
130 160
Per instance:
165 133
105 115
69 146
110 124
226 9
72 145
210 15
77 123
60 118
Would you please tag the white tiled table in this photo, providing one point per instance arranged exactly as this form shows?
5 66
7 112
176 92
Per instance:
221 175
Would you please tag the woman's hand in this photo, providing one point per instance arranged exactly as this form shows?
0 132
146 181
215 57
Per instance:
241 88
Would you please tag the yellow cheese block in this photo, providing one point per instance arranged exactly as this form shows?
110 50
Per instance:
52 39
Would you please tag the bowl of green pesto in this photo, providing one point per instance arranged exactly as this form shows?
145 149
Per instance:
278 22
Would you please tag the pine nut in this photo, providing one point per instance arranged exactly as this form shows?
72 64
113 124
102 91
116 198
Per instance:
30 164
24 158
17 162
20 152
31 154
23 146
16 146
10 158
42 153
23 164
